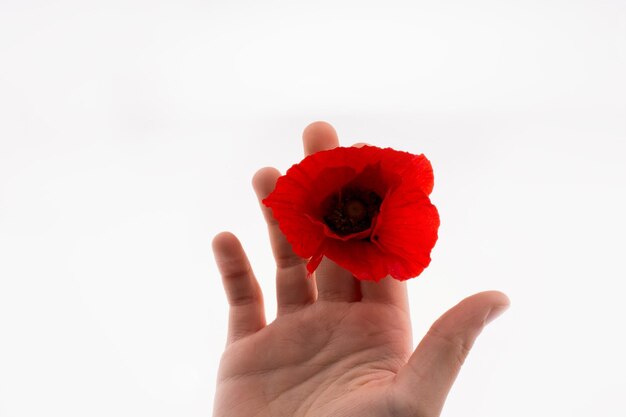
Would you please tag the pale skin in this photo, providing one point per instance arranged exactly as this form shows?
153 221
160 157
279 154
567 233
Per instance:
338 347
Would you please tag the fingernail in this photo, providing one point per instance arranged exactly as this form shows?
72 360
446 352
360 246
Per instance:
495 313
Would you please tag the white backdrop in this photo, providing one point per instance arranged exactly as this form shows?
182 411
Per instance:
129 131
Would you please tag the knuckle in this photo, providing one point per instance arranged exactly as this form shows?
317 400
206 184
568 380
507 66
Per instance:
242 299
288 260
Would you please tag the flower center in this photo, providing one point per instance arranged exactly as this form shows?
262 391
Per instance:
351 210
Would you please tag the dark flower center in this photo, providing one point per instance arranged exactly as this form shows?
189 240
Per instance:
351 210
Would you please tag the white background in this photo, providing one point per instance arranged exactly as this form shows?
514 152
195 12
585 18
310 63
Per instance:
129 131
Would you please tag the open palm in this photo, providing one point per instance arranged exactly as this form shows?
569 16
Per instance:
339 347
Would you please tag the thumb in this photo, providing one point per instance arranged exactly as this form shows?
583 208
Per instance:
430 372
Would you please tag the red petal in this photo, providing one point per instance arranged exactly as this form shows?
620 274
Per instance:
406 230
362 258
419 173
290 206
411 167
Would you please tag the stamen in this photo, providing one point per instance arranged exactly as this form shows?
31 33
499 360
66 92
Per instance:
351 210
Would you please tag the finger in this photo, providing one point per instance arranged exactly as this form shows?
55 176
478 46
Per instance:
246 315
293 288
319 136
333 282
386 291
437 360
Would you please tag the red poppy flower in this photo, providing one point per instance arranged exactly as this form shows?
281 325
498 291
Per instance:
367 209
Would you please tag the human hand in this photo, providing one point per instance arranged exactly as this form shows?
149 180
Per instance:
339 347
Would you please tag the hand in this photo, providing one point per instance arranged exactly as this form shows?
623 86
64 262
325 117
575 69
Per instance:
339 347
